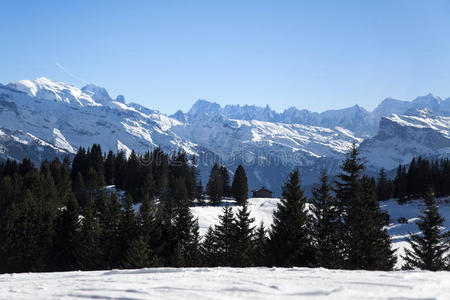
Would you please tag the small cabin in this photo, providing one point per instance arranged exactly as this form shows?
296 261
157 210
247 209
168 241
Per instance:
262 193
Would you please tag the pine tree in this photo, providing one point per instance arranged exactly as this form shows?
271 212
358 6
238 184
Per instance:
289 242
89 251
137 255
224 236
209 249
63 255
110 168
109 222
400 184
226 181
239 187
259 246
327 225
214 188
150 230
366 242
383 186
127 227
187 237
428 250
243 238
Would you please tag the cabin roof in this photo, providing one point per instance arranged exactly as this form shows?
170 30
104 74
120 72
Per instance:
262 189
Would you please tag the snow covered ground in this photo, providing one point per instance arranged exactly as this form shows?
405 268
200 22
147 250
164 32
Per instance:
226 283
235 283
262 208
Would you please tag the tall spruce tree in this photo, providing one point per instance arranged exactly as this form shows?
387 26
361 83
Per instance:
89 250
239 187
150 231
327 225
127 227
67 224
384 187
187 237
209 249
224 237
259 255
428 250
109 222
226 181
366 242
289 237
243 234
214 188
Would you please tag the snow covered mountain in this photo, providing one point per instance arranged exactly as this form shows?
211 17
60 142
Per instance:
40 117
402 137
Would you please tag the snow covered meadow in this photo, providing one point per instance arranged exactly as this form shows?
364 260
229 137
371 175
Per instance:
249 283
262 209
226 283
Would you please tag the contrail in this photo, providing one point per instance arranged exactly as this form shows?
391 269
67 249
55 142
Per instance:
70 73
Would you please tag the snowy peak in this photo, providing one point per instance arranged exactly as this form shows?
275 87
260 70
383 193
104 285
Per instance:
44 88
98 93
204 107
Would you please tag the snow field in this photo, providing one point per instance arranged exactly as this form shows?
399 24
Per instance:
227 283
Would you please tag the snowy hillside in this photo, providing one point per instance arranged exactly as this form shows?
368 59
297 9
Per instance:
261 209
226 283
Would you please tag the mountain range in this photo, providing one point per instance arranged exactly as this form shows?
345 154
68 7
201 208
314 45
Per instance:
42 119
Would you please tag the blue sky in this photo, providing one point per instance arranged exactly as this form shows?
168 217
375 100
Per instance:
167 54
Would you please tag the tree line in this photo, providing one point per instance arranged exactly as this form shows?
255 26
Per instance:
60 217
413 182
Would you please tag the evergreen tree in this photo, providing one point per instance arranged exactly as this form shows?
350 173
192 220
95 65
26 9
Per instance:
239 187
89 251
259 255
187 237
110 168
224 237
150 230
63 254
327 225
400 184
383 186
289 242
366 242
137 255
214 188
209 249
109 222
243 238
428 250
127 227
226 181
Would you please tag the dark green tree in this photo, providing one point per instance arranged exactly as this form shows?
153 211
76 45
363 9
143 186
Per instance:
89 250
327 225
224 236
366 242
428 249
243 232
259 255
67 224
214 188
187 237
209 249
239 187
289 238
384 187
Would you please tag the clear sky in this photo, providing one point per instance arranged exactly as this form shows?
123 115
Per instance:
167 54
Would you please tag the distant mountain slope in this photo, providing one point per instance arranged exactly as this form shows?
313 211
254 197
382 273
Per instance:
58 117
402 137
